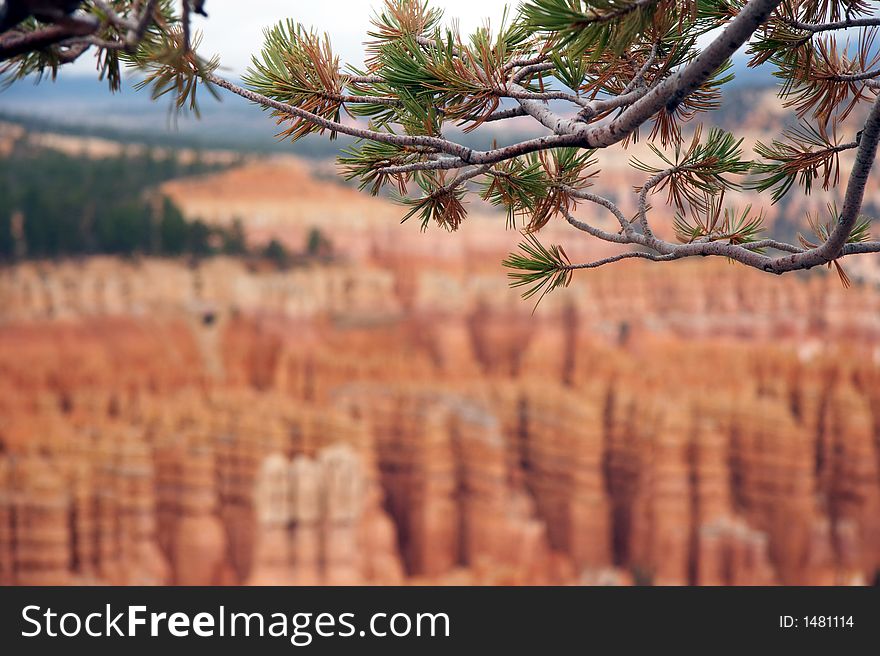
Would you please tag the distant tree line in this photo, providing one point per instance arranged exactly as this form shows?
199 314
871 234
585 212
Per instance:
54 205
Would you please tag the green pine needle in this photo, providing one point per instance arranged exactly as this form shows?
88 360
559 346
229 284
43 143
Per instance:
540 270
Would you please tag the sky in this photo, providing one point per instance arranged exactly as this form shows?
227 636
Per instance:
234 30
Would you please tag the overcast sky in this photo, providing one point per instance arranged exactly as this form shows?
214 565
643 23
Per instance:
235 29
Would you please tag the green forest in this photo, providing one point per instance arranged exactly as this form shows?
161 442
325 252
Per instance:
53 205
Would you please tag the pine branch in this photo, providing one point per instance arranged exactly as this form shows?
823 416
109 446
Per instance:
539 270
806 154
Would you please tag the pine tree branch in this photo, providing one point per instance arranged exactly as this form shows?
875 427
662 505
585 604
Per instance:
686 80
113 18
364 79
854 77
14 43
845 24
518 93
639 77
716 249
774 244
524 62
531 69
852 205
604 235
466 175
643 199
504 114
642 103
629 255
463 154
862 249
625 225
77 33
638 102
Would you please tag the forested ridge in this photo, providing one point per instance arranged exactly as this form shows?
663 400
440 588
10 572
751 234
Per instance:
55 205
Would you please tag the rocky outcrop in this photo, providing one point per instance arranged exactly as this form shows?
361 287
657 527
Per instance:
334 427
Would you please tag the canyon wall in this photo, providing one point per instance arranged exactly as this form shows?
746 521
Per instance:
401 416
388 422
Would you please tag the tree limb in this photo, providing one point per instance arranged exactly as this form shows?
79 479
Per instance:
16 43
832 26
686 80
852 204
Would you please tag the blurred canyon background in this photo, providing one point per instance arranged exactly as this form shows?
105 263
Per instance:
229 367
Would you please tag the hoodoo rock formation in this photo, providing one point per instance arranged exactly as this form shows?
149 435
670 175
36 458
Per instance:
395 423
400 416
